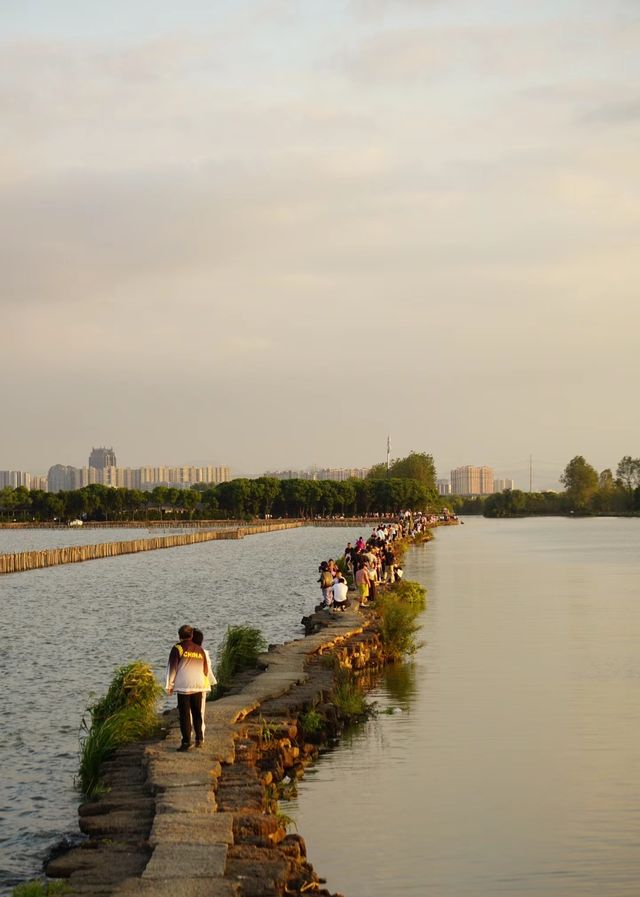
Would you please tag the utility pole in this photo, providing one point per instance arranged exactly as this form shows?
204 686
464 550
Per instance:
388 453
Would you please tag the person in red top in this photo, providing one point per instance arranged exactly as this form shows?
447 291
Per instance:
186 671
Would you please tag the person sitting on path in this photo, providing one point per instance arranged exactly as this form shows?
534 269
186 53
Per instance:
210 680
186 671
340 590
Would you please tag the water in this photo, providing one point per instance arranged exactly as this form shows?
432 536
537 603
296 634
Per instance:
513 766
67 628
15 540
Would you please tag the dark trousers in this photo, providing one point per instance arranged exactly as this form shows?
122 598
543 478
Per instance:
190 708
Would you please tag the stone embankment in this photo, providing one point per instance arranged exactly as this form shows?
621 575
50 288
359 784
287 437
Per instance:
50 557
203 824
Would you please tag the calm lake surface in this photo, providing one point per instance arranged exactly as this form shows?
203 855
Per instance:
514 766
66 629
15 540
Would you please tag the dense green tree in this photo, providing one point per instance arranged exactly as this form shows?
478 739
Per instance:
76 503
386 495
21 500
292 501
416 466
628 473
136 502
8 502
510 503
346 496
188 501
271 492
364 496
580 480
314 497
209 500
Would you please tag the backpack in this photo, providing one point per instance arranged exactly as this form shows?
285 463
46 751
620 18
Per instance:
326 580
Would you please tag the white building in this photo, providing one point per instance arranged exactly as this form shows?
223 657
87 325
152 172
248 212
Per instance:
472 481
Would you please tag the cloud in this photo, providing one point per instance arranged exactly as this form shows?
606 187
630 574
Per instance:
523 49
614 112
375 9
188 221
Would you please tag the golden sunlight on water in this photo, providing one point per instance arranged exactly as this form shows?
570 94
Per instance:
510 765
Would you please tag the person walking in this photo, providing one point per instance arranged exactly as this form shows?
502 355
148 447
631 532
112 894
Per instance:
187 669
209 680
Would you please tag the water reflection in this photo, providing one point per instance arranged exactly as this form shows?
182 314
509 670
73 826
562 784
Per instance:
399 684
513 768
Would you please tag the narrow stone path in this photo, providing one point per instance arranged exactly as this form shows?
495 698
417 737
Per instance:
168 824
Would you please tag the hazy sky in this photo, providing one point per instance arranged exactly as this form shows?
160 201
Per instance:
266 234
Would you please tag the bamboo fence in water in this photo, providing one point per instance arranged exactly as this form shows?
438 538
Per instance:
51 557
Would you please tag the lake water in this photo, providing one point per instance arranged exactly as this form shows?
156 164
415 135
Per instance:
514 765
15 540
67 628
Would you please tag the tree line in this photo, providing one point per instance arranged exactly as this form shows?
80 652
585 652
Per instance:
237 499
408 483
586 491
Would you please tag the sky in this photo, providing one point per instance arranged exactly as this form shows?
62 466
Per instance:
268 234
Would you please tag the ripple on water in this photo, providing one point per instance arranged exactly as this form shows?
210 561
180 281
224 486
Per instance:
71 626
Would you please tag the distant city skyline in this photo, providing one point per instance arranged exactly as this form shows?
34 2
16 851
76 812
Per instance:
67 476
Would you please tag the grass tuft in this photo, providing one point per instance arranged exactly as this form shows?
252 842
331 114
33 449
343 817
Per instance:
397 610
127 713
40 888
239 651
311 723
133 685
410 593
347 697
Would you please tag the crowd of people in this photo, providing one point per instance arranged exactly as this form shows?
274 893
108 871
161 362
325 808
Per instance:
189 669
368 563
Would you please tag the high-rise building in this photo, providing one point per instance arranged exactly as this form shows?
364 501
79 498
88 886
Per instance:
472 481
102 457
501 485
61 478
443 487
14 478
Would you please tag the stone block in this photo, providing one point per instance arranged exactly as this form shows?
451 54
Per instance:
185 861
188 887
184 829
181 770
191 799
116 823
